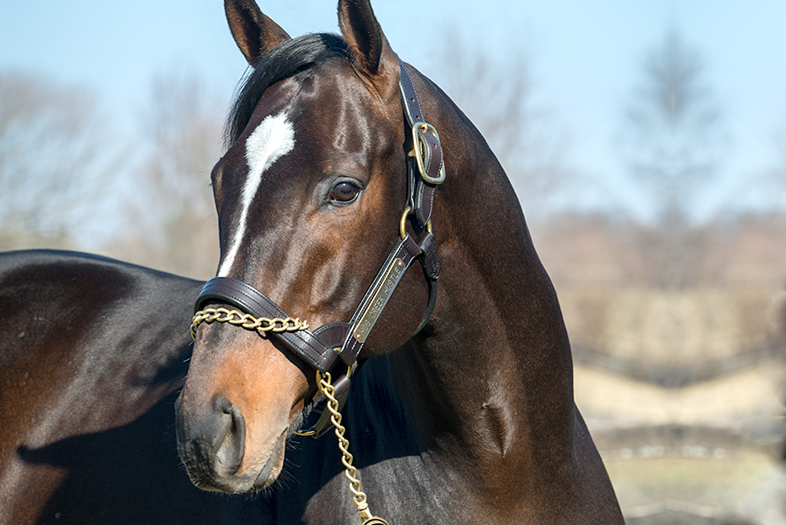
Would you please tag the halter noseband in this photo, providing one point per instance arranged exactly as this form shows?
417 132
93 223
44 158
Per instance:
321 347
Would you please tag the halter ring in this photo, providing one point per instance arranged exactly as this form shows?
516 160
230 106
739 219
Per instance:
403 224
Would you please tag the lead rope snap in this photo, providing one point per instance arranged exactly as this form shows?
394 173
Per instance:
324 383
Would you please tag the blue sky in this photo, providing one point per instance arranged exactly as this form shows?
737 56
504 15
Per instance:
585 59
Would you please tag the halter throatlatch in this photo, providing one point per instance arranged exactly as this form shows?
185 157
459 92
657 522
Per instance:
339 341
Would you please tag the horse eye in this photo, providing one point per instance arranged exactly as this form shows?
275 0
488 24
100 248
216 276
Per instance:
344 192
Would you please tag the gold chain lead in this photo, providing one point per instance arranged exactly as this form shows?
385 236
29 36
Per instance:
247 321
324 383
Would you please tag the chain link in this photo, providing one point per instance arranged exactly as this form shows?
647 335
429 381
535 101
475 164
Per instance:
247 321
324 383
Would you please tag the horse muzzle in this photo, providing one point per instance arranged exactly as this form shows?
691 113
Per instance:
218 450
241 397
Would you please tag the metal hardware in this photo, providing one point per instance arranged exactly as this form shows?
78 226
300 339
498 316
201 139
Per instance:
419 147
403 224
306 433
379 300
402 227
247 321
324 383
312 432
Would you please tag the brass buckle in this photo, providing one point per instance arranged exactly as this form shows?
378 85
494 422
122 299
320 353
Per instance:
419 147
403 224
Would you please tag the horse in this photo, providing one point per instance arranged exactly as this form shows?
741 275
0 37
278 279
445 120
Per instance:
357 197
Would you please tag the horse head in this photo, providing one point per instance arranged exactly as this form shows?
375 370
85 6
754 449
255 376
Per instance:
310 196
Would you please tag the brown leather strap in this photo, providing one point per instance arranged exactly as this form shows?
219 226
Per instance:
405 251
409 96
304 343
421 192
317 348
430 257
333 334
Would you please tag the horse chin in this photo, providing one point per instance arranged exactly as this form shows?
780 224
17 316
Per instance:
258 476
269 473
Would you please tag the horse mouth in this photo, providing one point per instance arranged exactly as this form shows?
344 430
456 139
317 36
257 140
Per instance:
212 476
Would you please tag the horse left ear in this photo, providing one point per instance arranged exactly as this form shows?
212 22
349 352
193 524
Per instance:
367 43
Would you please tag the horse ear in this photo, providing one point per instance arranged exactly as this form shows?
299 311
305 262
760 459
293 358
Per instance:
367 43
254 33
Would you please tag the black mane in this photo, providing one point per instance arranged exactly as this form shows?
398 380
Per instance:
283 61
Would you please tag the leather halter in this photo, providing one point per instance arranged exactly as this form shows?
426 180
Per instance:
322 347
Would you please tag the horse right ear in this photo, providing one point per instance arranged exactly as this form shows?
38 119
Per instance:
254 33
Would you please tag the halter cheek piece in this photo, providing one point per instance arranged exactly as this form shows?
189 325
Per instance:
322 347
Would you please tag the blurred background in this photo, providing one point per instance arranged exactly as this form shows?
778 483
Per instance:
646 141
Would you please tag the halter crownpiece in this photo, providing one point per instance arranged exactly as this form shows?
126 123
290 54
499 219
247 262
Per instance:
321 347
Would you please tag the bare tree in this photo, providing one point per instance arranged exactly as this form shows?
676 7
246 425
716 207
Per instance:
672 128
672 138
54 155
171 219
496 95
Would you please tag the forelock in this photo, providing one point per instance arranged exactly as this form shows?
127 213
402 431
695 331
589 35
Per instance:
289 59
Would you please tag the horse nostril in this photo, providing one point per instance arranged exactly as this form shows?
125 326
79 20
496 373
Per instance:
230 445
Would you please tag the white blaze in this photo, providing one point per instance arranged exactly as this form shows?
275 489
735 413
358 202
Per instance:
273 138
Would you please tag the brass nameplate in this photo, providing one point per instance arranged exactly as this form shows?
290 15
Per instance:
380 299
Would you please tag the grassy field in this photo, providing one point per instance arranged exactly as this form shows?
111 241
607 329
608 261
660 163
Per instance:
744 482
712 448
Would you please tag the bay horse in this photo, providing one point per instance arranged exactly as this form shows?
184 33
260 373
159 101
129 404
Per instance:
356 197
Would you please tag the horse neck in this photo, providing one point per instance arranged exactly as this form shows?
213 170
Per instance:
490 377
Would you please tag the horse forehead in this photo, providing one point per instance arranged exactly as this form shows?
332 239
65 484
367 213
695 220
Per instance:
335 95
329 107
